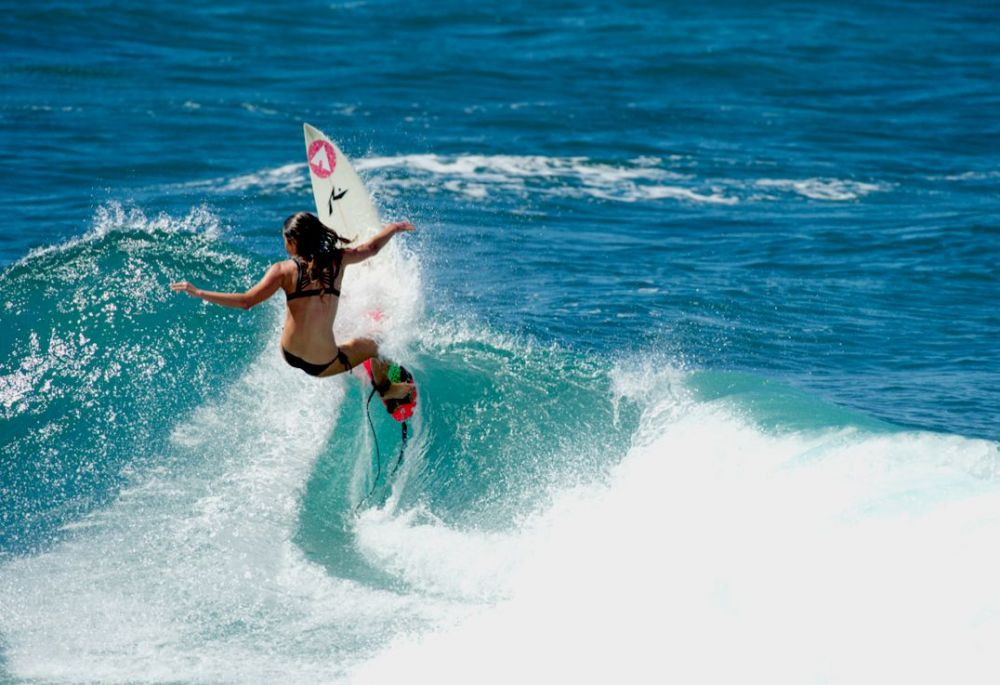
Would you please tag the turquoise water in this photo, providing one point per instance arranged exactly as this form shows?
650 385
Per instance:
701 303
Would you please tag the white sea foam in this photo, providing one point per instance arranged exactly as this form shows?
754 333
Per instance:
969 176
285 178
833 556
416 547
833 189
716 196
486 177
114 216
721 553
19 388
639 179
251 107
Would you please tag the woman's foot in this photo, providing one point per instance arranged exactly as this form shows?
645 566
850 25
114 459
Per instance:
388 390
398 391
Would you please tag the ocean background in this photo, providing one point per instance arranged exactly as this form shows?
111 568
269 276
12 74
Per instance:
703 306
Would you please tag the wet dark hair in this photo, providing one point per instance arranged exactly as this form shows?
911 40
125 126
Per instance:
317 245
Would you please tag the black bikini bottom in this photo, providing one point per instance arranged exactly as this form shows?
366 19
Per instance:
315 369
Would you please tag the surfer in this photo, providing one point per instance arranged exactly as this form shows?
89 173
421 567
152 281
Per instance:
311 280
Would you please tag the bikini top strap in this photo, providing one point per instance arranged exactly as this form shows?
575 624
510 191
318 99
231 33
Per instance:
302 280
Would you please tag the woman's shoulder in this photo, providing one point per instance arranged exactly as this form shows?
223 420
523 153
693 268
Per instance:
285 265
287 270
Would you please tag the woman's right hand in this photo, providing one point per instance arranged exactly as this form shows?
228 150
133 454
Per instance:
400 226
185 287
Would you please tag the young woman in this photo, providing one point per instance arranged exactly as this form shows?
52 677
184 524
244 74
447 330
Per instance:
311 280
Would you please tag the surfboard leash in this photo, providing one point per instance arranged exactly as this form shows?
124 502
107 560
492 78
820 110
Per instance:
402 449
378 451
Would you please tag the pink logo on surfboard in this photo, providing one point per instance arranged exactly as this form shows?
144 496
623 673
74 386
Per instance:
322 158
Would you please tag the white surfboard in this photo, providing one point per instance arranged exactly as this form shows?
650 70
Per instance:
342 201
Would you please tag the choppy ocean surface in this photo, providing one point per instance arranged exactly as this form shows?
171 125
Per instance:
702 301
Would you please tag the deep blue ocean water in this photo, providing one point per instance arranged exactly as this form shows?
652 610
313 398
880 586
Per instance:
690 283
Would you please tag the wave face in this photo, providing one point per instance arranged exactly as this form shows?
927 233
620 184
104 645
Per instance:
200 521
98 358
209 499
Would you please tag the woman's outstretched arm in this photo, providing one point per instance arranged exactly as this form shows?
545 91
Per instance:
372 247
257 294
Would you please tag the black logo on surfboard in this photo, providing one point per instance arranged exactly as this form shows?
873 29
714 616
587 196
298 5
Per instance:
334 196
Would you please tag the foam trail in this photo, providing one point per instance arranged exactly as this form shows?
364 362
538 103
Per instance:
718 551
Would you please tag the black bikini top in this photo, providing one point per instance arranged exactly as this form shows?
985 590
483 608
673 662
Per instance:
303 280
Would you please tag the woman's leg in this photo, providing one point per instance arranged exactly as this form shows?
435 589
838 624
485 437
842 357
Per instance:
357 351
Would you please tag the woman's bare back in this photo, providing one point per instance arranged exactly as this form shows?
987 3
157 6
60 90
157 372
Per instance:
308 331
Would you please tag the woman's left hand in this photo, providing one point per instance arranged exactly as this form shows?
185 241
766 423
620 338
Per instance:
184 286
